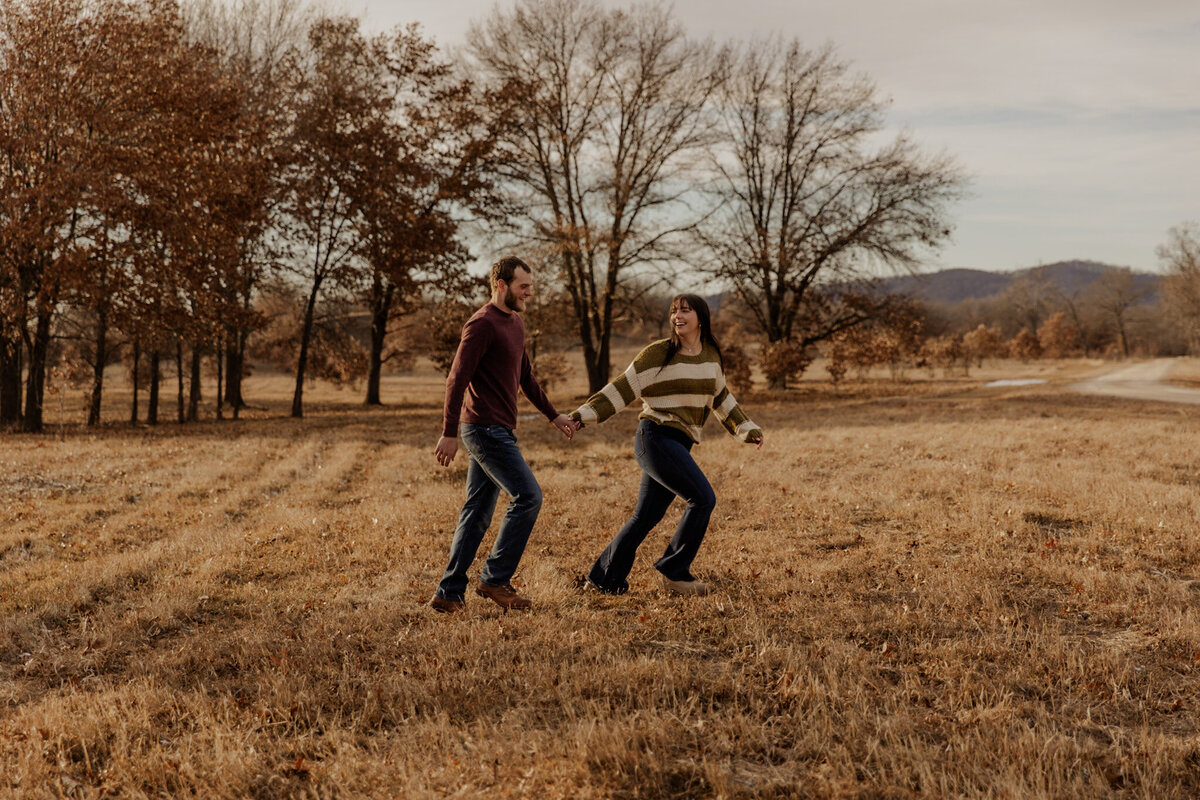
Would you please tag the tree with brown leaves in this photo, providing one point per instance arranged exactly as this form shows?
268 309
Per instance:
1025 345
340 119
982 342
102 102
257 43
1058 337
431 174
51 56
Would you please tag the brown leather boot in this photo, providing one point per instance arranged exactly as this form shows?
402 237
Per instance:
444 606
503 595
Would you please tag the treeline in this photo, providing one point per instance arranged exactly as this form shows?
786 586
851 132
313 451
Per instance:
184 188
184 183
173 183
1112 313
1072 308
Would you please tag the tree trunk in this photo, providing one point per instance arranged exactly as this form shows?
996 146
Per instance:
242 337
193 409
155 377
596 375
578 283
235 364
98 366
180 413
305 334
10 379
382 297
597 354
35 379
239 363
604 360
776 383
220 382
133 407
1122 336
234 355
598 358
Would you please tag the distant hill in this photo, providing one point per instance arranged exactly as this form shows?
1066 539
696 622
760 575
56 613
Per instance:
952 286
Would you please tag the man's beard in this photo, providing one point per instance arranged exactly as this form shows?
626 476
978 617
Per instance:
512 302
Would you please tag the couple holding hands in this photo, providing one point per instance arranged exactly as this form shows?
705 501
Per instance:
679 380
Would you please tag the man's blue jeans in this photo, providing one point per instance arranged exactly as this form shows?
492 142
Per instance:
668 470
495 463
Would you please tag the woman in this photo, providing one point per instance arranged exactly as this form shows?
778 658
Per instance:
679 380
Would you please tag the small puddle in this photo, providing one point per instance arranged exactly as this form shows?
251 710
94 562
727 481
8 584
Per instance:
1021 382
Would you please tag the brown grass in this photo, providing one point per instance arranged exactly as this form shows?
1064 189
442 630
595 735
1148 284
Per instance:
931 589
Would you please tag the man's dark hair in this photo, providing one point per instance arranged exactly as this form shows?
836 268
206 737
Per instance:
504 269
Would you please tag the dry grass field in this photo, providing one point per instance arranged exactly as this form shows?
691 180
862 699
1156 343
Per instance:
932 589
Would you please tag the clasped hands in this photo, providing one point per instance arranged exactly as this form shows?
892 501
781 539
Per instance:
447 446
566 426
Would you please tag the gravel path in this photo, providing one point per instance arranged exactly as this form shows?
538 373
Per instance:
1144 381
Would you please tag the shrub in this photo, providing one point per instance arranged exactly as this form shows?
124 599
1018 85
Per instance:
783 361
1025 346
737 369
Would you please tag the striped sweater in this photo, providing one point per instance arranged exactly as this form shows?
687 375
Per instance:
680 395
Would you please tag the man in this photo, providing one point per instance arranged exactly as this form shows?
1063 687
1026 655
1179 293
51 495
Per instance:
481 393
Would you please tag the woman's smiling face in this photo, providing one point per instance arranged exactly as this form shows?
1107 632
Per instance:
684 320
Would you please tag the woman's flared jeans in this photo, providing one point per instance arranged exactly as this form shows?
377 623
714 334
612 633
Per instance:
668 471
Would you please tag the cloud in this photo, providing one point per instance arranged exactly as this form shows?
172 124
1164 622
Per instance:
936 53
1076 118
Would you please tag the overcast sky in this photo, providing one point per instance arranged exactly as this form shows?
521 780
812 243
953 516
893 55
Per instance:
1077 120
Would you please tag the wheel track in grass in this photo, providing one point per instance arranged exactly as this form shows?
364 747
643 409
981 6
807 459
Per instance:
283 485
195 532
168 494
131 601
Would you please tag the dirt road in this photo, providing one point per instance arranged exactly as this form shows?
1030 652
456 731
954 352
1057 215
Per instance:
1144 381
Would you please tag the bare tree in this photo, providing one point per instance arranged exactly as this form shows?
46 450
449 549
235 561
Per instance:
1180 257
607 114
1030 299
808 198
1116 294
1082 318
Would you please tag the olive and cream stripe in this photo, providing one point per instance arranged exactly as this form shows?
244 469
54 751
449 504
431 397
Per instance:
679 395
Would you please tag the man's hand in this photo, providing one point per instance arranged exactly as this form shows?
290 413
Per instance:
447 448
565 425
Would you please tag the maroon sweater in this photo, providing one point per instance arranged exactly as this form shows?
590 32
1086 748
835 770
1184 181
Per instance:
488 368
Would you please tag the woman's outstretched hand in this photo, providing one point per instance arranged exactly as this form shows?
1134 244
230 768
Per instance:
757 440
